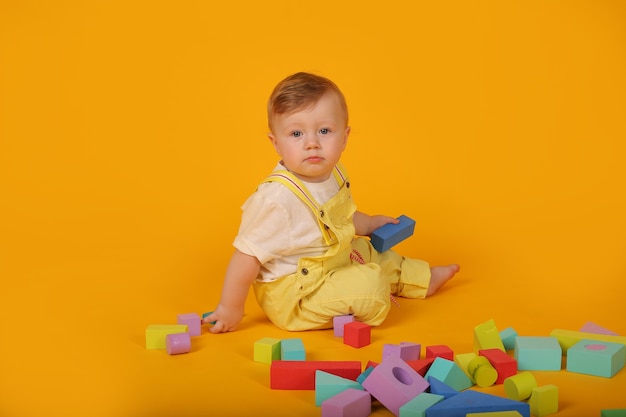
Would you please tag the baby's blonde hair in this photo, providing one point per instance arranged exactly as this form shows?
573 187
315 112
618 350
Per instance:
299 91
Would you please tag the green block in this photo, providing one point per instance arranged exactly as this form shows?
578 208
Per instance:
418 405
616 412
594 357
328 385
267 350
449 373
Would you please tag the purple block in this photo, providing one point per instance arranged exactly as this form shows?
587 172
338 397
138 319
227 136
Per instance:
178 343
394 383
349 403
192 320
339 322
406 351
591 327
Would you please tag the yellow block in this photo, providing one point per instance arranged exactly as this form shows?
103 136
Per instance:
487 336
156 333
544 400
267 350
495 414
483 372
519 387
568 338
463 360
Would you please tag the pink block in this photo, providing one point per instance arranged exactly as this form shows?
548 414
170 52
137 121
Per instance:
349 403
339 322
178 343
192 320
394 383
590 327
406 351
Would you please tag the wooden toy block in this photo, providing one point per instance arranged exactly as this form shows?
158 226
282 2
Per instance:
267 350
471 401
394 383
544 400
339 322
357 334
495 414
591 327
505 365
291 375
484 374
407 351
463 360
615 412
486 336
537 353
292 350
192 320
441 351
449 373
208 313
417 406
508 336
439 388
349 403
568 338
391 234
519 387
328 385
178 343
421 366
156 334
597 358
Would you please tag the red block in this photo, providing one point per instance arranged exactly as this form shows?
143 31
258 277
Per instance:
421 366
301 374
439 351
357 334
505 365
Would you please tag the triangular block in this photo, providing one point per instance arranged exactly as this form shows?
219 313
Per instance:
450 373
475 402
328 385
439 388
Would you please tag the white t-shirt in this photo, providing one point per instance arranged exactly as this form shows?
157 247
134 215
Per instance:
278 228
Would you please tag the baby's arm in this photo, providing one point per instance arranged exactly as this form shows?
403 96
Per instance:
365 224
241 272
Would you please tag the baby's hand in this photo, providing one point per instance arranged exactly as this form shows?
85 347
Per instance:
226 320
379 221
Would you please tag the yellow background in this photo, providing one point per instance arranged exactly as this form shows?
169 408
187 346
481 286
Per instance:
132 131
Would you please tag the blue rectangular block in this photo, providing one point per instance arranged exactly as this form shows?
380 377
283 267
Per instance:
391 234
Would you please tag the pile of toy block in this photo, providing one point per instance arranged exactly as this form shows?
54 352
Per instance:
438 385
175 338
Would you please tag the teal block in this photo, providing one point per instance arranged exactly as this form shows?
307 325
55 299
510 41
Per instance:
364 374
471 401
292 350
538 353
328 385
417 406
615 412
508 336
449 373
597 358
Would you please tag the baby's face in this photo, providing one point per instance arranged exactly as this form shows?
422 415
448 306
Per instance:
310 141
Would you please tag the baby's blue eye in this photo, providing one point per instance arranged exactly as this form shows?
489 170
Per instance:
296 134
324 131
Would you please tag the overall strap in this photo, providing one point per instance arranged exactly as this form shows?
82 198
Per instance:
293 183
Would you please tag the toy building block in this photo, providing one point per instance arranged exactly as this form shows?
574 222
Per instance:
339 322
439 388
368 370
421 366
192 320
407 351
178 343
544 400
471 401
597 358
267 350
391 234
418 405
495 414
449 373
328 385
615 412
486 336
290 375
537 353
463 360
292 350
591 327
504 364
156 334
441 351
208 313
519 387
349 403
484 374
394 383
357 334
508 336
568 338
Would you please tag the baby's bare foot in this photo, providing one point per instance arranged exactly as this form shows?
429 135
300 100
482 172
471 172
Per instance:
439 275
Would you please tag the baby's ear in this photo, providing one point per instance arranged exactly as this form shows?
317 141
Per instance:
272 139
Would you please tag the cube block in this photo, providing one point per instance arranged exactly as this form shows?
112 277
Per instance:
292 350
267 350
508 336
192 320
544 400
407 351
357 334
441 351
339 322
597 358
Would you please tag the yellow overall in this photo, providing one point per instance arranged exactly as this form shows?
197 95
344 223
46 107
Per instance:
350 278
